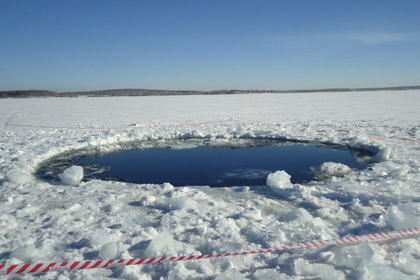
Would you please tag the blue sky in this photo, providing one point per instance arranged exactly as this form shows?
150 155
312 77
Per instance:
205 45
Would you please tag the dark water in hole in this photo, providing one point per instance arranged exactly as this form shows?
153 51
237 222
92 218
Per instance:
199 162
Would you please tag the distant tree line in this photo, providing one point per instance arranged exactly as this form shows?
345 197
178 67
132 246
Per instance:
26 93
156 92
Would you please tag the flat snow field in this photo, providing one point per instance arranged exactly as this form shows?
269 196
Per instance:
41 222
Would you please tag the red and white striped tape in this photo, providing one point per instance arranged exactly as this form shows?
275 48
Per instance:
90 264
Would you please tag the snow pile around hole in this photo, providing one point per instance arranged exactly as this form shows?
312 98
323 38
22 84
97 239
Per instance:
328 169
72 176
279 181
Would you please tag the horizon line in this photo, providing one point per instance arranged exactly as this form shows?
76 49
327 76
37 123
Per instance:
226 89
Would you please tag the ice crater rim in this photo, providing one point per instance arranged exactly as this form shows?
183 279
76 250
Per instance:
160 143
364 153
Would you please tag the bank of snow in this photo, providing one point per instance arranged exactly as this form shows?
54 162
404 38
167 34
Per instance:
40 222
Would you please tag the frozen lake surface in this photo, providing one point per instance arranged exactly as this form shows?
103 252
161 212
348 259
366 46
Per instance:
195 162
47 222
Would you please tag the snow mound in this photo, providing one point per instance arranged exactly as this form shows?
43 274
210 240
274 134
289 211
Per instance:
25 253
72 176
383 155
148 200
230 274
18 177
353 257
299 215
278 181
100 237
167 187
383 272
360 142
176 203
323 271
403 216
400 173
328 169
267 275
108 251
161 242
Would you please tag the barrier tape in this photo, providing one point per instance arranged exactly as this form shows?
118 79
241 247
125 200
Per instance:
90 264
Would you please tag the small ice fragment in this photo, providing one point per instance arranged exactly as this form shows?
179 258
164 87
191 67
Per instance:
317 270
354 256
381 271
108 251
100 237
403 216
230 274
18 177
382 155
299 215
167 187
267 274
147 200
360 142
161 241
399 173
72 176
329 169
24 253
278 180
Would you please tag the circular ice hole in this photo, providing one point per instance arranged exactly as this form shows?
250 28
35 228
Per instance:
211 162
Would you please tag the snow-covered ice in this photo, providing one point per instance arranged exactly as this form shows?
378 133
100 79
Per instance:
41 222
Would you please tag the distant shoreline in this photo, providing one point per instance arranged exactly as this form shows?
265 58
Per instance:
156 92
